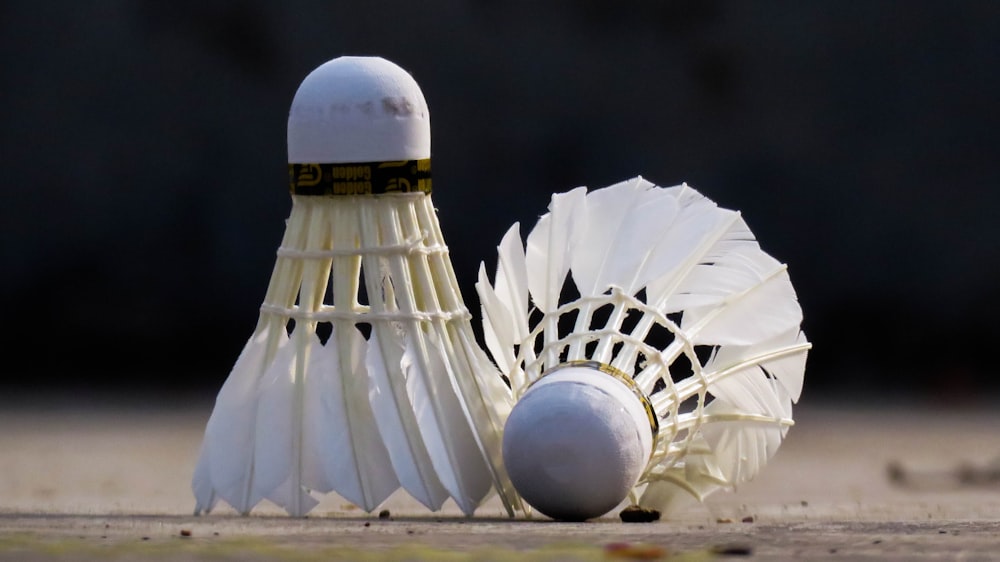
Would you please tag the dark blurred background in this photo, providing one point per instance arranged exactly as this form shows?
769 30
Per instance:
142 149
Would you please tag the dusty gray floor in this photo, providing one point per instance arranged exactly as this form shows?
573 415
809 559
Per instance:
87 479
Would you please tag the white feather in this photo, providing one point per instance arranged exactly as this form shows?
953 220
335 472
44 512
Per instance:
511 282
481 395
499 328
294 499
550 245
789 369
490 402
753 387
341 428
396 421
694 231
227 451
450 443
622 221
707 234
615 250
285 465
750 297
783 356
697 475
741 446
549 250
686 229
277 451
430 367
201 484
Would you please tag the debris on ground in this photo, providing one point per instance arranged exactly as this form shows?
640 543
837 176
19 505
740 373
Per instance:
637 514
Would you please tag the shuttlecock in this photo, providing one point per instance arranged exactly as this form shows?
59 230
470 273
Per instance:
362 374
654 349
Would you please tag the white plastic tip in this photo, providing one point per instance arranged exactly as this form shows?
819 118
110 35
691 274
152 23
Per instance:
576 443
358 109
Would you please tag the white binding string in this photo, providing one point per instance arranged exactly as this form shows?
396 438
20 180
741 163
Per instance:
363 314
412 245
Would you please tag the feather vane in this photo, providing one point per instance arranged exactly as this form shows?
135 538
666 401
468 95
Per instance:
397 422
343 432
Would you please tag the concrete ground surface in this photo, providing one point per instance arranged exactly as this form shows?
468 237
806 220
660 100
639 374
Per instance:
89 478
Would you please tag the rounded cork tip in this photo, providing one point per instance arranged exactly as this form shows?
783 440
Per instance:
576 443
358 109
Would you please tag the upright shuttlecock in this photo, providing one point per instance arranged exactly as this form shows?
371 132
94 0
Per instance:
660 352
363 374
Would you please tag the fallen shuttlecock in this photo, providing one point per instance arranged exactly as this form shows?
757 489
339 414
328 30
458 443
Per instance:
332 393
652 346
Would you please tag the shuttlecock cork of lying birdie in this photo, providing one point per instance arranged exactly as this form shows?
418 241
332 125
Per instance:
654 349
362 375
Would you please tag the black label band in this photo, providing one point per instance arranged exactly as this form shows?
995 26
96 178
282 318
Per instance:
365 178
